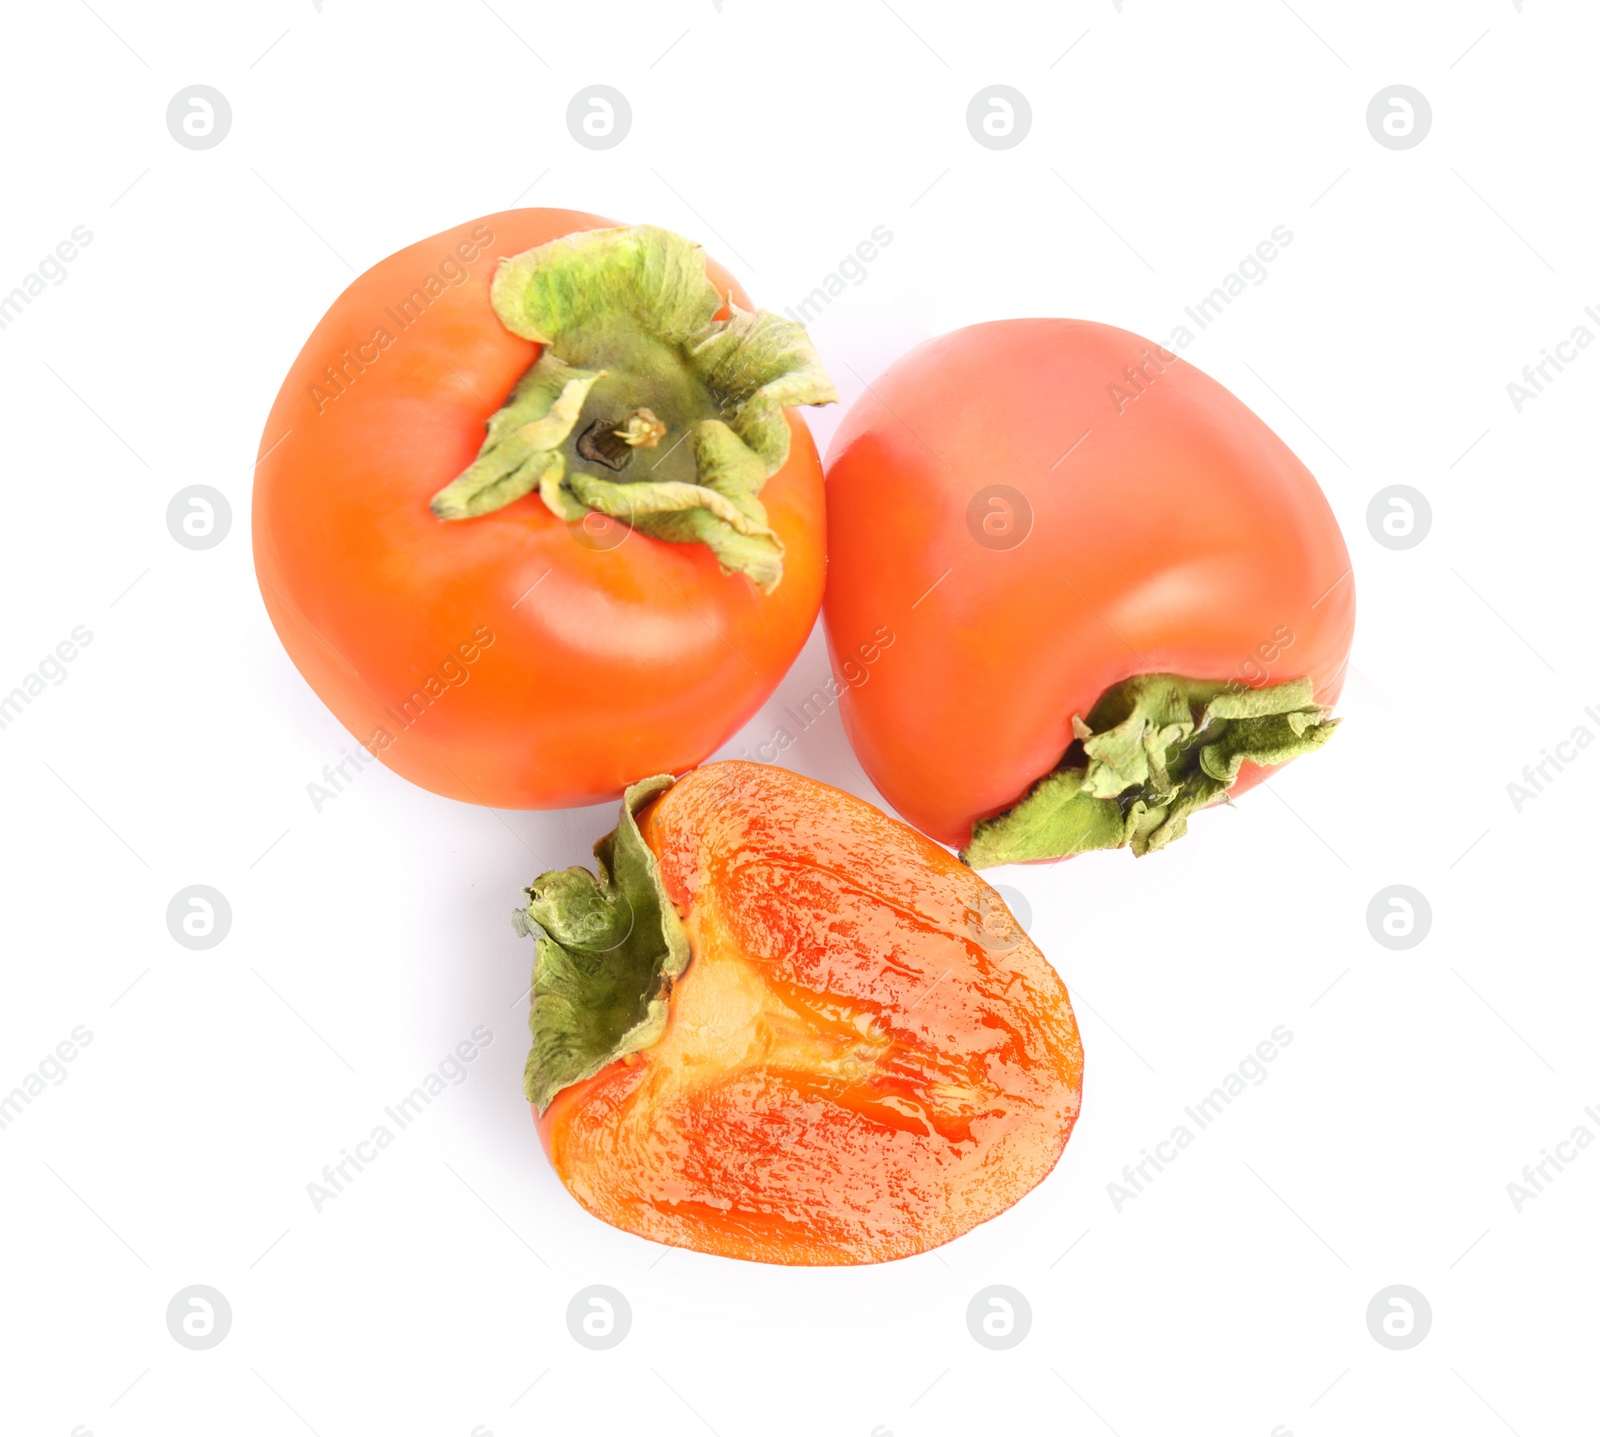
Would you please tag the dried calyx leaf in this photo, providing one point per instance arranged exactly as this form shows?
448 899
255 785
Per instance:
633 351
610 945
1154 749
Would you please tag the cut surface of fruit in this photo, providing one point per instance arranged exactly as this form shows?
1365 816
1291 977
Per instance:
865 1057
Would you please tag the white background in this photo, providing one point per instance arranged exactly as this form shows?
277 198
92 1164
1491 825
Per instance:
1168 139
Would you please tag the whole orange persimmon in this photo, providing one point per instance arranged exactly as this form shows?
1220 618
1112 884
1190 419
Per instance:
1117 596
532 513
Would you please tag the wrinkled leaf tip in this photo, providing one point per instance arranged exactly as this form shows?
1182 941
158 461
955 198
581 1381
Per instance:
605 958
1166 747
627 295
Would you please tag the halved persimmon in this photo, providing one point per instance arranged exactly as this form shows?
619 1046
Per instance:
784 1026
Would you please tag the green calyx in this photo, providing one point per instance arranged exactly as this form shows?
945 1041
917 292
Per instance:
642 405
610 945
1154 749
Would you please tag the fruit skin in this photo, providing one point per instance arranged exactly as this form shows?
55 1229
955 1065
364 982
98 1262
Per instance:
865 1058
1179 536
429 641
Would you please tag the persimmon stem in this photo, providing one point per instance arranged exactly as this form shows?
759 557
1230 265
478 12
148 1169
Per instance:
606 442
627 321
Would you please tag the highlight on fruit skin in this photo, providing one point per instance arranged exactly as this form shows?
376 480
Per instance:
783 1026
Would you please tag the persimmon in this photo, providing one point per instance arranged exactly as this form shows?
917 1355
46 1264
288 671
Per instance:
533 513
781 1025
1117 596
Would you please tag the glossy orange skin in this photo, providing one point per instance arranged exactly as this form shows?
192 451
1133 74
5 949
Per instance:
631 656
1180 535
915 1070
